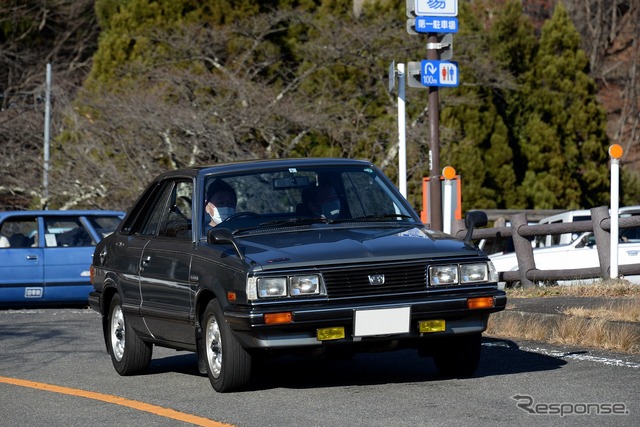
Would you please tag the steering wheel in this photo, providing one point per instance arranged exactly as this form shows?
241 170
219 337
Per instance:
240 215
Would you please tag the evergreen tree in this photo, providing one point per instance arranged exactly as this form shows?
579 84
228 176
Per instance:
474 136
561 128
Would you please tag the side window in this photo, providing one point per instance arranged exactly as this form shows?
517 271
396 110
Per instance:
169 211
104 225
177 221
156 210
66 231
19 233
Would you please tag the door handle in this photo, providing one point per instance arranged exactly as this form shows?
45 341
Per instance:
32 257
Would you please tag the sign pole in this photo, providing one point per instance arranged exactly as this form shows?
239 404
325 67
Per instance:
435 214
402 133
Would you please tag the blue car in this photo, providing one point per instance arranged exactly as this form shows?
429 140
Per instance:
45 255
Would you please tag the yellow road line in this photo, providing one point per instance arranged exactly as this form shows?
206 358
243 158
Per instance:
134 404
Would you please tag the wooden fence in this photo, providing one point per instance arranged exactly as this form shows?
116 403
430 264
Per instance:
520 231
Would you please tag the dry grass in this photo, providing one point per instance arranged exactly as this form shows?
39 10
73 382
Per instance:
626 311
596 333
604 288
578 331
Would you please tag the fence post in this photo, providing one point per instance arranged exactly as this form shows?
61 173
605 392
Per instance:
524 250
457 225
603 239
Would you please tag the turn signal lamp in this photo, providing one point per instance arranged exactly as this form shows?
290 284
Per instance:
481 302
335 333
277 318
428 326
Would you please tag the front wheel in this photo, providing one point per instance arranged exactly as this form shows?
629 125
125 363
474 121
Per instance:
228 364
129 354
458 356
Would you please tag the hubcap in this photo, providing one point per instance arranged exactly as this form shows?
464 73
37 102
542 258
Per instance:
117 333
214 347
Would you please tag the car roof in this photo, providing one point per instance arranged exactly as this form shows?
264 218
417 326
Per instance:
77 212
568 215
257 165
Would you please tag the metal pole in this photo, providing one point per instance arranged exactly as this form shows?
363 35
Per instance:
402 133
447 207
47 124
435 214
613 257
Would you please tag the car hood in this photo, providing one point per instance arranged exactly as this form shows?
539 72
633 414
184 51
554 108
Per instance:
346 245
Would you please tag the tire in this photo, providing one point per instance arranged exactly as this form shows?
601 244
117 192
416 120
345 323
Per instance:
129 354
228 364
458 356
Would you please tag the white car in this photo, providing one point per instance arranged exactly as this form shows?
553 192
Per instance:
573 216
580 253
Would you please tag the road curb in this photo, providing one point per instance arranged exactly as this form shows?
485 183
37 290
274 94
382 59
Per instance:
564 329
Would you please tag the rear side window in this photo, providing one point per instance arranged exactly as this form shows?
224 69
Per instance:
21 232
66 231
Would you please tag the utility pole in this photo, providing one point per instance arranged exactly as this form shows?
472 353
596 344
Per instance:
47 125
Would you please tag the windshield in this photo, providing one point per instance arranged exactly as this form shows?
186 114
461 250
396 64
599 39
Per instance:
302 196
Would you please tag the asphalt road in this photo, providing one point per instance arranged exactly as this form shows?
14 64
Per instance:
54 371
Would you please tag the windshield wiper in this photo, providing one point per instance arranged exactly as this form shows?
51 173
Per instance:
379 217
284 222
292 221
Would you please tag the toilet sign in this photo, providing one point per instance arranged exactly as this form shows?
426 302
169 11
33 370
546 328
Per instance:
439 73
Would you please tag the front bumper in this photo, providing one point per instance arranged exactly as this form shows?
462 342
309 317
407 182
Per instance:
250 329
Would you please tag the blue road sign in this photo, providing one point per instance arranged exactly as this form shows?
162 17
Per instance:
436 24
439 73
436 7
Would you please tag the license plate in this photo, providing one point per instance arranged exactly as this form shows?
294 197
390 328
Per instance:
381 322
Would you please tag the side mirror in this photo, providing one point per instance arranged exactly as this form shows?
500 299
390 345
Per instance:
472 220
221 235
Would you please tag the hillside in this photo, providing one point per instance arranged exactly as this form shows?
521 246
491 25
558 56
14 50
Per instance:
66 34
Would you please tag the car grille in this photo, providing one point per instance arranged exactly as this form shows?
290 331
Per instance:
354 281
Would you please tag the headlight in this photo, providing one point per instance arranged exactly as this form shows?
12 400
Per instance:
283 286
462 274
272 287
304 285
443 275
471 273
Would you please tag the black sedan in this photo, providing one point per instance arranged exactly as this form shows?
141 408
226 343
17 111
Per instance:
242 260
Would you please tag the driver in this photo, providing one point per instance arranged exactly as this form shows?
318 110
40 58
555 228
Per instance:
323 202
220 202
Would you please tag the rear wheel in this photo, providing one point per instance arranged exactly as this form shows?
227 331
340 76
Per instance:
228 364
129 354
458 356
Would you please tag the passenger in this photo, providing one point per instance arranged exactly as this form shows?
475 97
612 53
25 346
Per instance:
322 201
220 202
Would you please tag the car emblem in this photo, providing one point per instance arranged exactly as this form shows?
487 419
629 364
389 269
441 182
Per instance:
376 279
